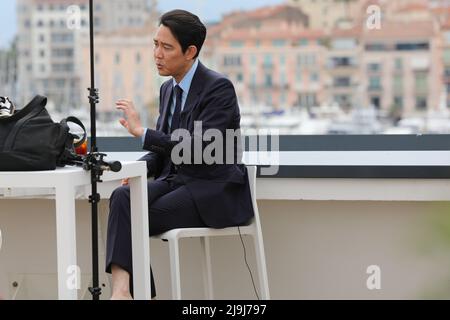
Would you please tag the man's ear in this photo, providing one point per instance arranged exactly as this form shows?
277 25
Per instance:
191 52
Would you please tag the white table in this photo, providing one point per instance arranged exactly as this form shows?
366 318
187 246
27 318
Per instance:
65 181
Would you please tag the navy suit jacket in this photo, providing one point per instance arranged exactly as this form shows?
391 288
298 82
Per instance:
220 191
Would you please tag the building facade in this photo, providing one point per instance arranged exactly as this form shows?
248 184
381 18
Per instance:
50 33
125 69
270 55
8 76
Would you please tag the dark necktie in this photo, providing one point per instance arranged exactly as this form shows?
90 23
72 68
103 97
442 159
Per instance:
178 92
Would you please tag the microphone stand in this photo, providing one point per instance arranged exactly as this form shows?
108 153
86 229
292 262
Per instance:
93 161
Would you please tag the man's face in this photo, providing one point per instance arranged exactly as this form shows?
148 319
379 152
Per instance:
169 57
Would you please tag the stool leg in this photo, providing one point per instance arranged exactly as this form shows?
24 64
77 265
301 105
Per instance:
175 269
207 271
262 270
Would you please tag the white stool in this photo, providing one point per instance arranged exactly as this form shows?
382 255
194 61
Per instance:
253 229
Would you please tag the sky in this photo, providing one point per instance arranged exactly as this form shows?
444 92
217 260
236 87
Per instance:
207 10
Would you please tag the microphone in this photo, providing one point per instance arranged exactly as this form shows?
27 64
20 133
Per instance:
114 166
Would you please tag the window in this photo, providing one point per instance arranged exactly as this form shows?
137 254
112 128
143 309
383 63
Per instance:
236 44
374 67
232 60
138 80
421 83
118 82
268 60
45 84
447 56
412 46
303 42
342 100
253 79
398 83
374 83
269 99
283 98
97 21
282 79
268 80
421 103
447 36
98 80
65 53
398 101
341 62
307 100
62 67
344 44
60 83
376 102
279 43
62 37
376 47
342 82
299 75
398 64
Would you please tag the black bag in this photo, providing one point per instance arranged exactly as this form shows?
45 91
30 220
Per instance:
30 140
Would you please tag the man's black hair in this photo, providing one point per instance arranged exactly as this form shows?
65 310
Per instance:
186 28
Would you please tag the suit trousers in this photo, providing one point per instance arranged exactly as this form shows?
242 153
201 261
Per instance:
170 206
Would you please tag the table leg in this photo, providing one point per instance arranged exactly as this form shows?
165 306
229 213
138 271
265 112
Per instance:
68 271
140 238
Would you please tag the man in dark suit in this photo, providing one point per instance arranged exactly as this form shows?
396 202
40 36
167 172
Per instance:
189 194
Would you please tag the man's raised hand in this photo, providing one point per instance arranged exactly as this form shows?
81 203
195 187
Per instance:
131 120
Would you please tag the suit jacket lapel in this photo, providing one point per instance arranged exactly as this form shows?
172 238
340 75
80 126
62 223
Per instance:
191 100
166 107
194 90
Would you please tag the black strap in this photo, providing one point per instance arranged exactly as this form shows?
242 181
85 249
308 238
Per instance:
37 105
79 123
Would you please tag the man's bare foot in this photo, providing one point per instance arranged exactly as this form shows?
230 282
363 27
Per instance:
120 284
121 296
